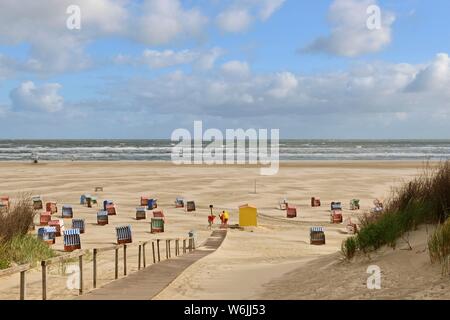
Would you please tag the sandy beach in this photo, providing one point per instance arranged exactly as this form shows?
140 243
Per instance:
272 261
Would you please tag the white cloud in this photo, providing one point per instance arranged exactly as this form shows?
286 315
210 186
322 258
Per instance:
234 20
239 16
167 58
164 21
269 7
236 68
434 76
284 83
349 35
157 59
28 96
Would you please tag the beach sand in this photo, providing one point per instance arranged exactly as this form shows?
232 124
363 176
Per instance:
272 261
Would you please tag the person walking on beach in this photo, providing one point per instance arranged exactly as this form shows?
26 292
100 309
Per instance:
224 218
211 218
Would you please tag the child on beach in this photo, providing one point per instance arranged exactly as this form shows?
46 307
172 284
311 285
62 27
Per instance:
211 218
224 218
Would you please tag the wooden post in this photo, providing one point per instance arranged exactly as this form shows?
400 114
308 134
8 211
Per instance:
168 241
184 245
80 260
177 247
117 264
22 285
143 254
44 280
167 249
94 278
157 245
139 257
153 252
124 259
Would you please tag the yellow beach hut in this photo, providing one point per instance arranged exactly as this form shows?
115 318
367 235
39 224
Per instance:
247 216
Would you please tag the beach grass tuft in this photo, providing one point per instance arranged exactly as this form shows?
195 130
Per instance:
16 245
425 199
439 246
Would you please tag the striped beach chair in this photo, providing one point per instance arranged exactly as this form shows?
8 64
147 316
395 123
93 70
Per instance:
78 224
38 204
190 206
317 235
291 212
141 213
157 225
44 218
67 212
59 226
102 217
315 202
72 240
336 206
47 234
179 203
152 204
51 207
123 234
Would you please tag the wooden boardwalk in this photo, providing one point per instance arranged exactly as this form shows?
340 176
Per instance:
147 283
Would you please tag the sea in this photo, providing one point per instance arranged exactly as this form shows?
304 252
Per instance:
161 150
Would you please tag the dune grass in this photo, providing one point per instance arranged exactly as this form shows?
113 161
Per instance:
426 199
16 245
439 246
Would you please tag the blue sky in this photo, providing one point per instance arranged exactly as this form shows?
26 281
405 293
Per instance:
140 69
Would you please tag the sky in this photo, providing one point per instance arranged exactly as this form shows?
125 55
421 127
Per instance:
141 69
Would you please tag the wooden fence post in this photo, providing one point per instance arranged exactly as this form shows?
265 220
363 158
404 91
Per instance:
167 250
44 280
157 245
22 285
117 264
153 252
80 260
184 245
124 259
139 257
94 277
143 254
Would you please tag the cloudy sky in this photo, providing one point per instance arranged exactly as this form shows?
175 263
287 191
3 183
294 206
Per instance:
140 69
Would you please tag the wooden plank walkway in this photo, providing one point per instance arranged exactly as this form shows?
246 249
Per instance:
147 283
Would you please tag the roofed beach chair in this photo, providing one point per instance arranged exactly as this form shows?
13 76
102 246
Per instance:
352 228
144 201
152 204
291 212
4 202
317 236
315 202
378 206
51 207
44 218
141 213
111 209
67 212
38 204
47 234
179 203
190 206
59 225
123 234
78 224
102 217
72 240
354 204
336 206
157 225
